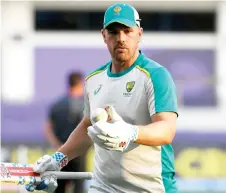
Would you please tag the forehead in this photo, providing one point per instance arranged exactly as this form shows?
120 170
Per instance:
118 26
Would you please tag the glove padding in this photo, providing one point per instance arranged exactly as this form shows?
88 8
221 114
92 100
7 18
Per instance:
47 163
48 184
115 134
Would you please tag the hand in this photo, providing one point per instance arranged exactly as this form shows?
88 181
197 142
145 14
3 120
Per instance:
99 115
48 163
115 134
94 132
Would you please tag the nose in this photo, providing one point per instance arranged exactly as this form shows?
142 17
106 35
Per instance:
121 36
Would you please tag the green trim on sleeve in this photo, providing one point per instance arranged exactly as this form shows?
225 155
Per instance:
97 71
143 70
165 94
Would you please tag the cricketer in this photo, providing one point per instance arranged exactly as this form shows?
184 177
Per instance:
133 152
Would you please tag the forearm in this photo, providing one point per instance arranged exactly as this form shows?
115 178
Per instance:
78 143
156 134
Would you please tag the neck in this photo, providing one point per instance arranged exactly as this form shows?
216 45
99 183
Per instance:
118 66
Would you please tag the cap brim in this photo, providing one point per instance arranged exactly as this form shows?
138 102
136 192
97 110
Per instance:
125 22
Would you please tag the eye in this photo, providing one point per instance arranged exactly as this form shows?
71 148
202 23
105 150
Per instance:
127 30
113 32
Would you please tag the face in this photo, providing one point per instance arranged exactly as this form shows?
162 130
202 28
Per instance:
122 41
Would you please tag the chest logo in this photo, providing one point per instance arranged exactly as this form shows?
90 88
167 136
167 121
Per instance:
97 89
130 85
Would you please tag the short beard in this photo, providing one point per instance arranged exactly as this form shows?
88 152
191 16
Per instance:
122 63
119 60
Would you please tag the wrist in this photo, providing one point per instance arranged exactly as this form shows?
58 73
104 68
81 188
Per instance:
61 159
135 133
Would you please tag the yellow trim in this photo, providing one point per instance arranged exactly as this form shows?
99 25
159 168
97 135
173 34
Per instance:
94 73
143 70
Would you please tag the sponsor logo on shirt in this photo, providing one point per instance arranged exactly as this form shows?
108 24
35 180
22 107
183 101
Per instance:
96 91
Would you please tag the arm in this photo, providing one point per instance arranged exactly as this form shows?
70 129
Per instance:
162 106
162 100
160 132
78 142
50 136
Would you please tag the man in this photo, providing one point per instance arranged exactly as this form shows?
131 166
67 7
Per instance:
132 150
65 114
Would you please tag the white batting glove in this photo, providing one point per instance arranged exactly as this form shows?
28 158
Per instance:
99 115
48 163
93 133
116 135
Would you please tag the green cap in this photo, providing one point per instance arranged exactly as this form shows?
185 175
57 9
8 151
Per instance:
121 13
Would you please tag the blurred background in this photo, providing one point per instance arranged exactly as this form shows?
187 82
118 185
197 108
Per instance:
42 41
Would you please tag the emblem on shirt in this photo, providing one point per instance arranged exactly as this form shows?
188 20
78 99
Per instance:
97 90
129 87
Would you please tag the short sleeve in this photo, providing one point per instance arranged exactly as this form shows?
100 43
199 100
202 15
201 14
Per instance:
86 110
161 91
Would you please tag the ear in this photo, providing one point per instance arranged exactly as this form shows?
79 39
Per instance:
140 33
103 32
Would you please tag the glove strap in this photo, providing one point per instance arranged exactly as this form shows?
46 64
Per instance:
135 133
61 159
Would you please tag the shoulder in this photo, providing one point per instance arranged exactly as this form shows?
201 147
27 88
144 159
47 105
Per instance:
152 69
97 71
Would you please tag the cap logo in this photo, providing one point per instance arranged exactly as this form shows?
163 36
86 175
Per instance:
117 9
